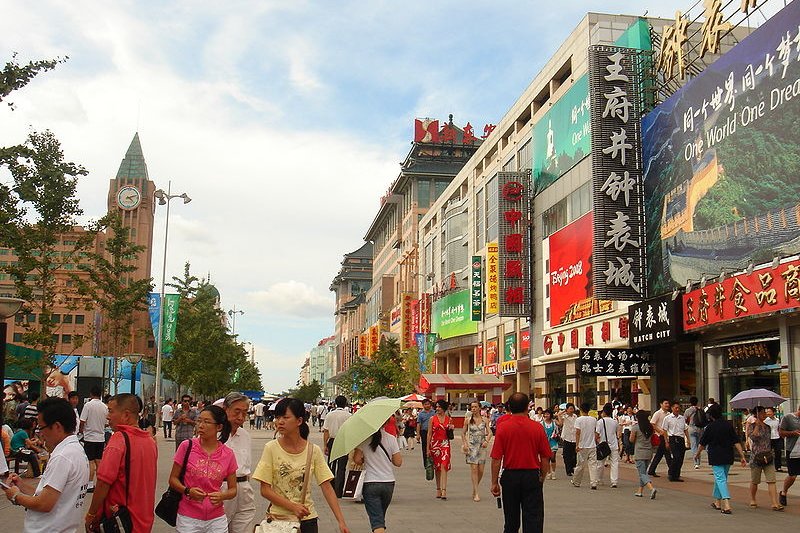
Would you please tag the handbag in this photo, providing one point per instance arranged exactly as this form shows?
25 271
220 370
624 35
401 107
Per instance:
121 521
655 440
428 469
450 433
167 508
351 483
603 448
287 524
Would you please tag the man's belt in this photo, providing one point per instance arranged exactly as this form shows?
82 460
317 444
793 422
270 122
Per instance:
242 479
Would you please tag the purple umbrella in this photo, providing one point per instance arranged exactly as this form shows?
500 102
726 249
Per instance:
748 399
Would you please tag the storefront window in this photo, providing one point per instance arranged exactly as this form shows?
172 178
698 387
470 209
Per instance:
588 390
556 388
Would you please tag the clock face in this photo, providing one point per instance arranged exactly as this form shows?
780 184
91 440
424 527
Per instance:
129 197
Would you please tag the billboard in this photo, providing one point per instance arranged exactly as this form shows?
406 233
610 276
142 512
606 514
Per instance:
613 362
570 277
722 160
452 315
562 137
514 243
491 353
510 347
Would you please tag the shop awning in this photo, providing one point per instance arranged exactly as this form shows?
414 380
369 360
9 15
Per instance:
460 382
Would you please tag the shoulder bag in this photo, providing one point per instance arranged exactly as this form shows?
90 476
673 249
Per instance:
167 508
603 448
450 433
287 524
121 521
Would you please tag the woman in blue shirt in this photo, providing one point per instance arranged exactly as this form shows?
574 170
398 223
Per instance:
551 430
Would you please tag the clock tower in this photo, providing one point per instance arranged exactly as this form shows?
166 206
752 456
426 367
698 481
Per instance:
130 194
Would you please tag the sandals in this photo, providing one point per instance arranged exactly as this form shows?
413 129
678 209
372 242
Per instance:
438 494
444 494
753 505
726 511
778 507
716 507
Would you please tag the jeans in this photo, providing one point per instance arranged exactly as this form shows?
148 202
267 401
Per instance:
721 482
587 458
626 442
259 422
377 497
570 456
522 491
641 467
694 441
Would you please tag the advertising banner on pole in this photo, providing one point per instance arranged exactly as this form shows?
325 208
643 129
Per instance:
477 288
170 318
492 279
514 243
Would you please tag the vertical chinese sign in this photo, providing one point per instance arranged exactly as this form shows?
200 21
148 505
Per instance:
492 279
512 209
406 321
619 232
170 318
476 288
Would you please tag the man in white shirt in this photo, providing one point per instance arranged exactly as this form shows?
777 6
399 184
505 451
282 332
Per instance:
567 419
93 427
56 506
242 509
677 433
167 412
607 430
259 415
330 427
586 446
657 420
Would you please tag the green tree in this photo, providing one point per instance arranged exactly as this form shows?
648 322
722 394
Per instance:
307 393
15 76
388 373
38 214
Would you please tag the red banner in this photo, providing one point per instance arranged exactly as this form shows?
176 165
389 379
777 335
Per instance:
491 351
524 343
766 290
479 355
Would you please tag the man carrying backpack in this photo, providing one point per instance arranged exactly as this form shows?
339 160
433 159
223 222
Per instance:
697 420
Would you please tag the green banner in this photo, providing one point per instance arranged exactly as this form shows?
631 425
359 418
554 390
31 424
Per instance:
171 302
451 315
510 348
562 137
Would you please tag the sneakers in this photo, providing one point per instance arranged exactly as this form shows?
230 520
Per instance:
594 487
637 494
613 485
653 494
552 475
782 498
697 467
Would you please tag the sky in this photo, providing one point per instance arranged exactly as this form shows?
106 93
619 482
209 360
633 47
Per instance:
283 120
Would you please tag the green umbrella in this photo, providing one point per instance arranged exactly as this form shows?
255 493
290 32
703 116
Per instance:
362 425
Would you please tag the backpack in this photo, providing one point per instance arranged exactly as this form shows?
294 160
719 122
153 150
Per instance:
700 419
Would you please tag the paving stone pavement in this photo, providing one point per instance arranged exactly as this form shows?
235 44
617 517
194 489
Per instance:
414 508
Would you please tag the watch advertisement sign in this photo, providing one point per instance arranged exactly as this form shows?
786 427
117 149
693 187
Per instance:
452 315
510 347
613 362
654 321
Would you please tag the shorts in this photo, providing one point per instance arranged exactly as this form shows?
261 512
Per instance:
184 524
94 450
755 473
793 465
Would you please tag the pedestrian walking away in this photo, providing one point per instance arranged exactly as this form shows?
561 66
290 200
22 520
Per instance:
657 420
761 458
56 506
607 430
330 428
209 463
790 430
167 412
127 474
697 420
521 447
282 468
570 453
586 446
719 439
642 436
93 428
423 421
439 446
378 454
475 439
240 510
677 433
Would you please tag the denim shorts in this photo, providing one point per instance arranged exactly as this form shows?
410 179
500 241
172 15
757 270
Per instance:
377 497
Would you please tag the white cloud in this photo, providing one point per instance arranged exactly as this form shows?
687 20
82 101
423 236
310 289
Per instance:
292 298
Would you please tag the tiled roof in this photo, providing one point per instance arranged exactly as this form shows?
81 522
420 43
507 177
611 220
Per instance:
133 167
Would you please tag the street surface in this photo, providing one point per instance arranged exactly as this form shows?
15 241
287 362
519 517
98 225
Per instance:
414 509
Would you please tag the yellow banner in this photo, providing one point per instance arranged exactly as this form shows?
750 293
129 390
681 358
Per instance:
492 279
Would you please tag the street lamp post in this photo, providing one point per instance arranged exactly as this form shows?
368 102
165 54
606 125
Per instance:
134 359
232 313
164 198
8 308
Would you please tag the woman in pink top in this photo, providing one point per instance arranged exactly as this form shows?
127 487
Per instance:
210 463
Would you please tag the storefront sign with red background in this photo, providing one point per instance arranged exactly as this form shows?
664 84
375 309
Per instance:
406 316
491 351
524 343
766 290
479 355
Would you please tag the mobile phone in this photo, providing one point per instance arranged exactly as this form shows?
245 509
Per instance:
499 503
4 484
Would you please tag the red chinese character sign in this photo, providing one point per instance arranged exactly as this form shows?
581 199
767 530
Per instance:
426 130
512 208
619 234
766 290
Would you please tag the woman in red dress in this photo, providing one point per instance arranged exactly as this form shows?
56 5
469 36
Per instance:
439 446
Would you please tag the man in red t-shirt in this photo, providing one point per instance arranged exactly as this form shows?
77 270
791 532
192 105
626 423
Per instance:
110 490
521 445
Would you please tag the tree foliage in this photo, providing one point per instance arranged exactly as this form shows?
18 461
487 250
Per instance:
388 373
15 76
309 393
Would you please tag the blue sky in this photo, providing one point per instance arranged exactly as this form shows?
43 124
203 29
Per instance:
284 120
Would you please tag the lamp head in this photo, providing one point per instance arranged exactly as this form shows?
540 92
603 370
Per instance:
10 306
186 198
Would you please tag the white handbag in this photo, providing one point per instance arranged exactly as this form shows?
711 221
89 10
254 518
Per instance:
287 524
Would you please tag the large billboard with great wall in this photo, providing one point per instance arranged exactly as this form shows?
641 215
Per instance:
722 162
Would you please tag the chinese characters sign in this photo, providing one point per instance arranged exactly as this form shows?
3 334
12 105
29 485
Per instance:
452 315
427 131
752 354
476 288
653 321
766 290
406 314
512 212
492 278
619 241
613 362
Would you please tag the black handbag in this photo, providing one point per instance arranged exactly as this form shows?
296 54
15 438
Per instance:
121 521
603 448
167 508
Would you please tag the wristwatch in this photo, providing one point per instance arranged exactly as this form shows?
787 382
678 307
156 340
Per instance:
14 499
186 490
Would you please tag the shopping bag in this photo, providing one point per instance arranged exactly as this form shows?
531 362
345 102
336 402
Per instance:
351 483
429 469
